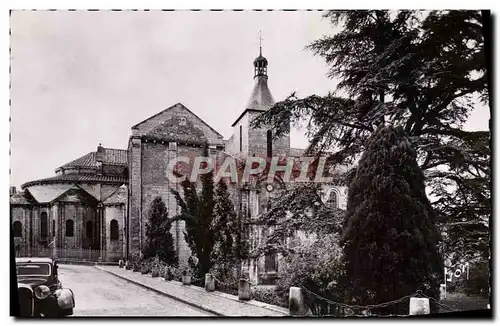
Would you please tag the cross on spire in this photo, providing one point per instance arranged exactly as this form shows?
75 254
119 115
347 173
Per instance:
260 42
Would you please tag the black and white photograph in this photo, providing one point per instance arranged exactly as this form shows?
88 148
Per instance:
250 163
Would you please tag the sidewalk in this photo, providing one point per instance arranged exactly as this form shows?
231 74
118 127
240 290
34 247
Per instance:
221 304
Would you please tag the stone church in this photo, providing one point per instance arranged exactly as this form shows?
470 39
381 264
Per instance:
96 206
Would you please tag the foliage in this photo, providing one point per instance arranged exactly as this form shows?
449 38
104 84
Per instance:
135 261
389 239
159 241
197 211
225 229
174 271
478 283
226 280
231 247
299 207
145 268
268 295
423 71
313 265
157 266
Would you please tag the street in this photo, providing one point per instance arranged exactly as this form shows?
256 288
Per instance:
98 293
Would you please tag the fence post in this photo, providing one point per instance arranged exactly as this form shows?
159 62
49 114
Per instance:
168 274
442 291
209 282
244 292
186 279
419 306
296 302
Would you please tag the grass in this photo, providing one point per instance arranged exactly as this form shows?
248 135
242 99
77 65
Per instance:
462 302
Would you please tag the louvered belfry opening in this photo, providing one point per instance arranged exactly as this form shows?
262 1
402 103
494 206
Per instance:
269 143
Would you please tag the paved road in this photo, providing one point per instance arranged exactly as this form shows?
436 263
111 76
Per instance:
98 293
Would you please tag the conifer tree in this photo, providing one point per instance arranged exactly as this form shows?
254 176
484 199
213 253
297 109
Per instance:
390 239
159 241
224 217
225 227
424 71
197 211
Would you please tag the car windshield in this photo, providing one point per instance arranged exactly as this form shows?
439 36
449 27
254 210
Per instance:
26 269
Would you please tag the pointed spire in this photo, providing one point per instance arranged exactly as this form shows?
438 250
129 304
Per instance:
260 63
260 43
261 98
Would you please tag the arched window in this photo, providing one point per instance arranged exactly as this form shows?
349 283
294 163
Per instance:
18 229
70 228
113 230
333 199
88 229
269 143
44 227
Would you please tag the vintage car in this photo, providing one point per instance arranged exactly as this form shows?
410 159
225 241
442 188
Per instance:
41 294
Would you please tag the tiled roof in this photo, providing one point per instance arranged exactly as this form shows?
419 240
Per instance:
48 193
76 195
87 161
118 197
261 98
115 156
79 178
21 198
111 156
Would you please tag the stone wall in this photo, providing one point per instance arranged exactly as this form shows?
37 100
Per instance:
22 214
155 159
177 110
135 194
235 148
114 169
114 248
257 139
80 214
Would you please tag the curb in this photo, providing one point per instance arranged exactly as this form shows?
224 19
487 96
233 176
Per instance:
161 292
84 262
251 302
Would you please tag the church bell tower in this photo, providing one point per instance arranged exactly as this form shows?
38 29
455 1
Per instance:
249 141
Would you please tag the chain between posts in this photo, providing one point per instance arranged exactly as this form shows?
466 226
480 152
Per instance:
344 305
368 308
439 303
232 283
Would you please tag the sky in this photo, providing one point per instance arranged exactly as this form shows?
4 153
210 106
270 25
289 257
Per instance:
83 78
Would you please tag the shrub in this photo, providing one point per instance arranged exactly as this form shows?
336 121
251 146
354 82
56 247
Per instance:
268 294
225 279
175 272
479 280
315 266
145 268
